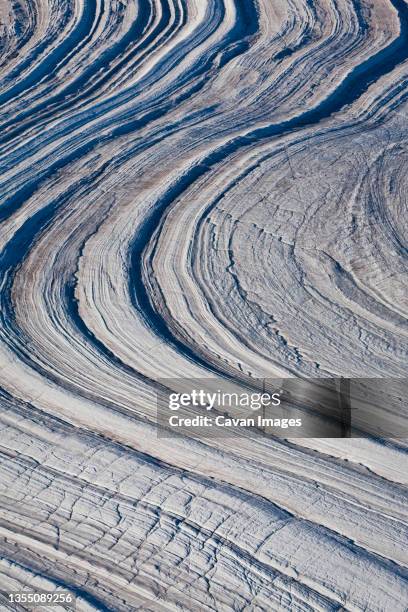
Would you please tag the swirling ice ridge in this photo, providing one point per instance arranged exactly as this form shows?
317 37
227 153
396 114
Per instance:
192 187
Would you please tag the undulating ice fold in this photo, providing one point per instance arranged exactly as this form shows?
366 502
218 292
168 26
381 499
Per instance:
193 188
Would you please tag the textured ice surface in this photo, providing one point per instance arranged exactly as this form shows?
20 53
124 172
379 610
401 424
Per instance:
187 187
